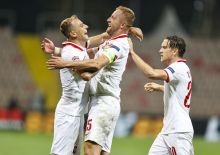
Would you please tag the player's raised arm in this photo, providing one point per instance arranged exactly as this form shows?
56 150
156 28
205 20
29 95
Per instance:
150 72
136 32
99 39
48 47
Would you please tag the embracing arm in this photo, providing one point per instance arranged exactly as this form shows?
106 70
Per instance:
91 65
136 32
98 39
86 75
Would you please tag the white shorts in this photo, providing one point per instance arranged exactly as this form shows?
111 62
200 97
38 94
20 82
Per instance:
172 144
68 133
102 119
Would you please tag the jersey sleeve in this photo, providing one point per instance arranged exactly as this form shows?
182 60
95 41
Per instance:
69 53
172 72
112 52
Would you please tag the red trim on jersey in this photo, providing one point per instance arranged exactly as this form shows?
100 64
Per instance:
73 45
189 85
181 60
120 36
168 78
173 150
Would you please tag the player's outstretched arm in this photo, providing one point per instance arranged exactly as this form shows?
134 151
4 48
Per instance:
48 47
150 72
151 86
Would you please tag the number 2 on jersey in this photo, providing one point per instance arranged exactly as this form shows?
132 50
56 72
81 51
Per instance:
186 100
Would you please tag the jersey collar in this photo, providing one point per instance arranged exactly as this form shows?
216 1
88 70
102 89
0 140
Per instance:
67 43
181 60
120 36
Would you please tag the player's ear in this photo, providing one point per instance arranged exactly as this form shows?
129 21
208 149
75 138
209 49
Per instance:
175 51
73 34
123 25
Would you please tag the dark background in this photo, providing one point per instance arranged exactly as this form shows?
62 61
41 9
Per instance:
198 17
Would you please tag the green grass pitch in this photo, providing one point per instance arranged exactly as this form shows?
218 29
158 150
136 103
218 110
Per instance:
20 143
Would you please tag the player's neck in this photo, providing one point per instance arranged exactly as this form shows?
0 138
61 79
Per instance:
80 43
118 33
174 60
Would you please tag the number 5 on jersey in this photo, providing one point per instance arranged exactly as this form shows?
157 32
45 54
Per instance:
89 124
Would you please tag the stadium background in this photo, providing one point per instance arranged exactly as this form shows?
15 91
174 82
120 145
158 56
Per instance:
29 92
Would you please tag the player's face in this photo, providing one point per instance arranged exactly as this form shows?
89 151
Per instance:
80 30
166 53
114 22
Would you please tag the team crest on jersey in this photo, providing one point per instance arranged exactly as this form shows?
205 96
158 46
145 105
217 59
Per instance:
107 45
75 58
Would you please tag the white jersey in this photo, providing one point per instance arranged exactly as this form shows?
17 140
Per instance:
107 80
74 93
177 95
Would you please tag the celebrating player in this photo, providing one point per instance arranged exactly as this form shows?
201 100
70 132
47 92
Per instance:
110 62
177 132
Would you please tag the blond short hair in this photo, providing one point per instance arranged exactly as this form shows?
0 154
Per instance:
129 15
66 26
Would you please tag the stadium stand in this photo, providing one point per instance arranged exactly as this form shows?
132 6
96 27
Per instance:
14 74
203 59
202 56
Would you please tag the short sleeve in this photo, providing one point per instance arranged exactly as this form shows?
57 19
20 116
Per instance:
171 71
175 71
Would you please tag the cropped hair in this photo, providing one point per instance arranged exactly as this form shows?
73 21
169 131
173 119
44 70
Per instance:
66 26
177 42
129 15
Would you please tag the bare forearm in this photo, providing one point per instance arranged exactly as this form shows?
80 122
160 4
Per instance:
157 74
143 66
83 66
151 86
160 88
86 75
98 39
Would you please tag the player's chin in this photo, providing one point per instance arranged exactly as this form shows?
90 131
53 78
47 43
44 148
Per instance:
108 30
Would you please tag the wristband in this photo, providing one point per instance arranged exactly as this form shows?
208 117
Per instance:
57 51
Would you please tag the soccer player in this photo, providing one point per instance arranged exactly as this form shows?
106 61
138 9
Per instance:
176 135
110 62
69 120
